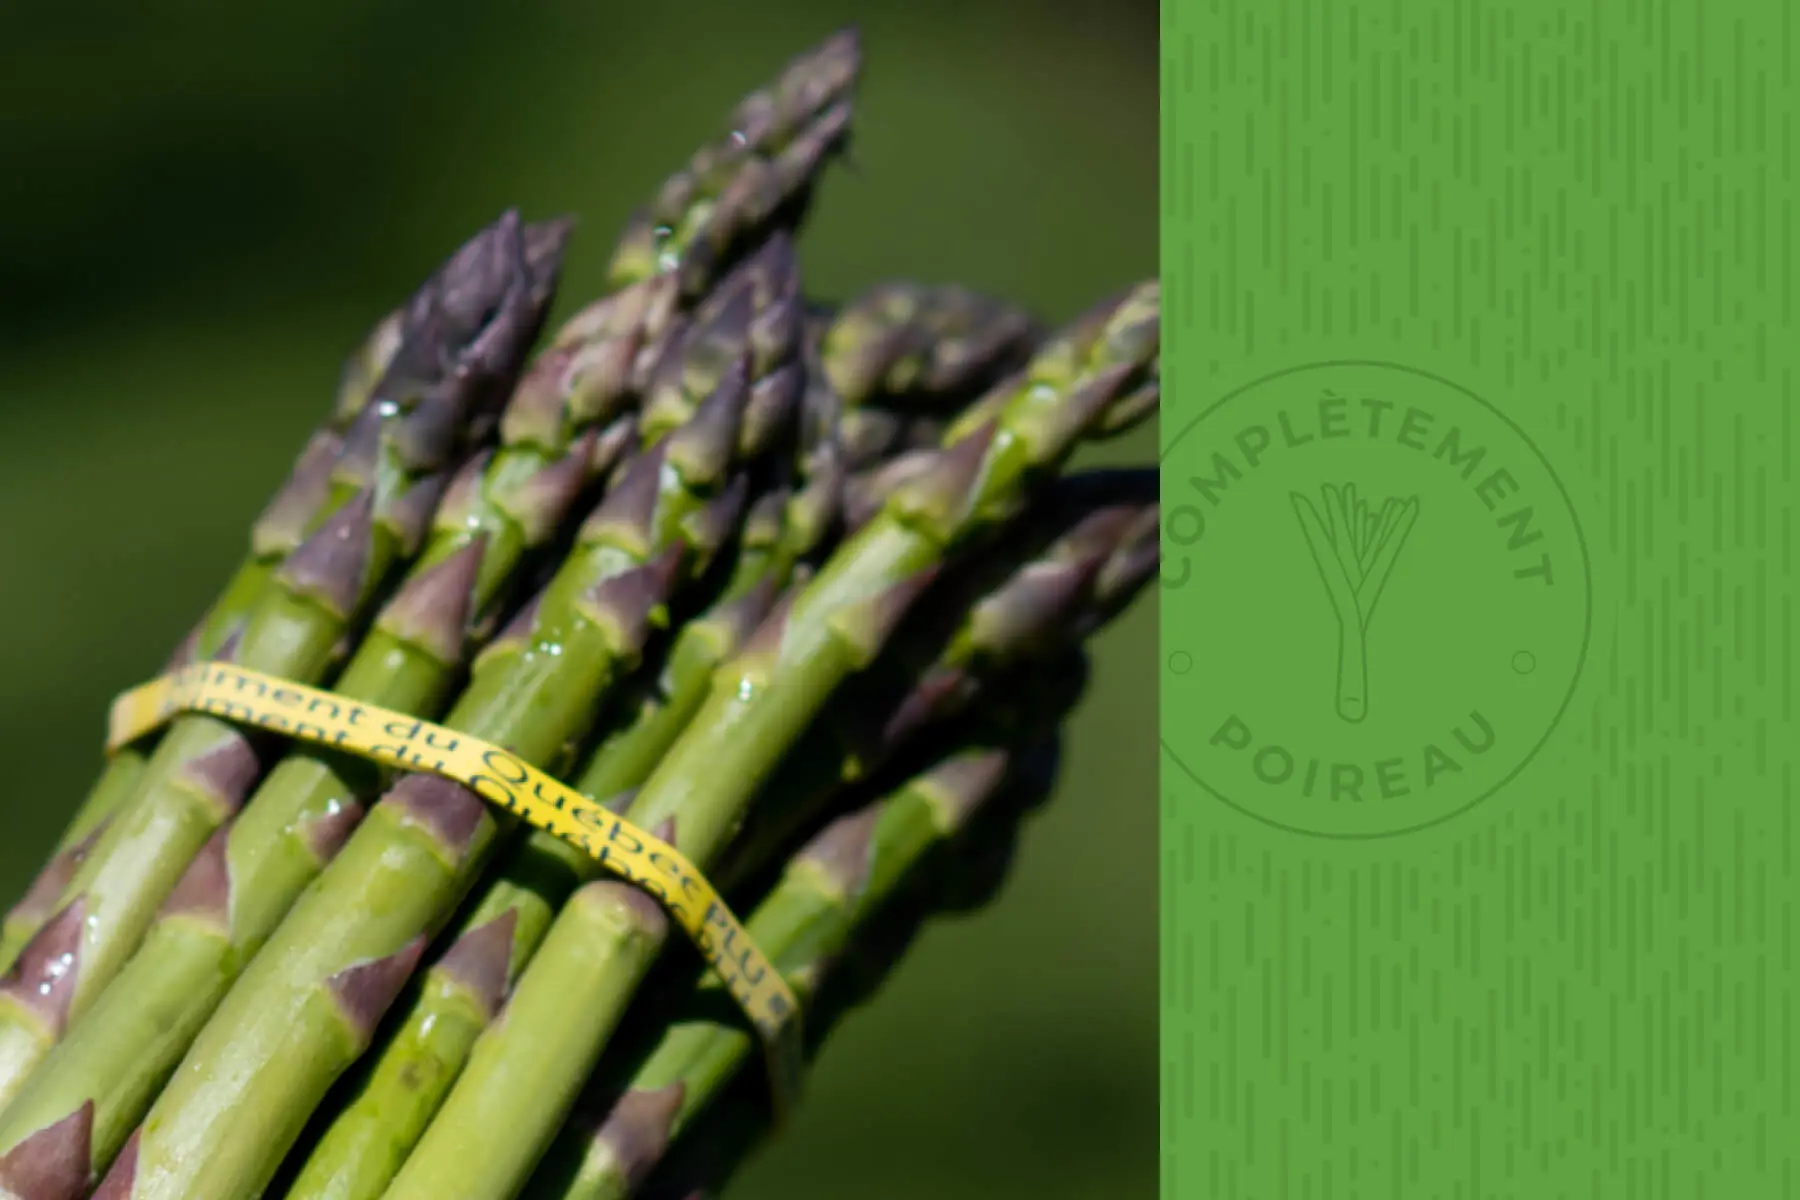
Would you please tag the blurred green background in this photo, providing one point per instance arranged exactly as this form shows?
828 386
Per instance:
200 216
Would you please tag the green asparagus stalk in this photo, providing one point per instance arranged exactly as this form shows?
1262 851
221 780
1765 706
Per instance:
276 533
386 482
306 1007
754 318
761 174
1028 613
825 893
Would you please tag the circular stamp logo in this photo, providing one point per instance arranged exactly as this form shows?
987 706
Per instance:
1376 599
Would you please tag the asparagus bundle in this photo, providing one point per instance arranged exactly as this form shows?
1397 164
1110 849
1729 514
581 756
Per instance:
739 565
561 428
518 1086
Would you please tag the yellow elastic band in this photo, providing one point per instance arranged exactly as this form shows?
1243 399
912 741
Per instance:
382 735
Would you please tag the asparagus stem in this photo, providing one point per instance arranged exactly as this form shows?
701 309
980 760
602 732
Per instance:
466 332
753 319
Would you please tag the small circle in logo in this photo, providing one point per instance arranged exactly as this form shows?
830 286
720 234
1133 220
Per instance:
1381 593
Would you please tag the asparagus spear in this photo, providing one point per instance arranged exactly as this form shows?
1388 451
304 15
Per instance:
758 175
385 484
306 1007
276 533
1033 610
754 318
826 892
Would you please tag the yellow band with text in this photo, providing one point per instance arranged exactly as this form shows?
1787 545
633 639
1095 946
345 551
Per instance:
323 718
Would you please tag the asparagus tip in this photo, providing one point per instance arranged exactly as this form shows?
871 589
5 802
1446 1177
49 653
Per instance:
702 446
283 523
841 851
742 614
540 503
545 244
433 610
331 566
711 528
941 494
611 444
360 453
535 412
765 643
410 513
637 1131
627 513
628 602
770 410
938 690
962 783
462 498
866 626
518 630
481 269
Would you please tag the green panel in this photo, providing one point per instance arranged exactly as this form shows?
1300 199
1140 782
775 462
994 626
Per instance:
1478 311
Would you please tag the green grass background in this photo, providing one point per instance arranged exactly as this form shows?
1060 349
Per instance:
199 220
